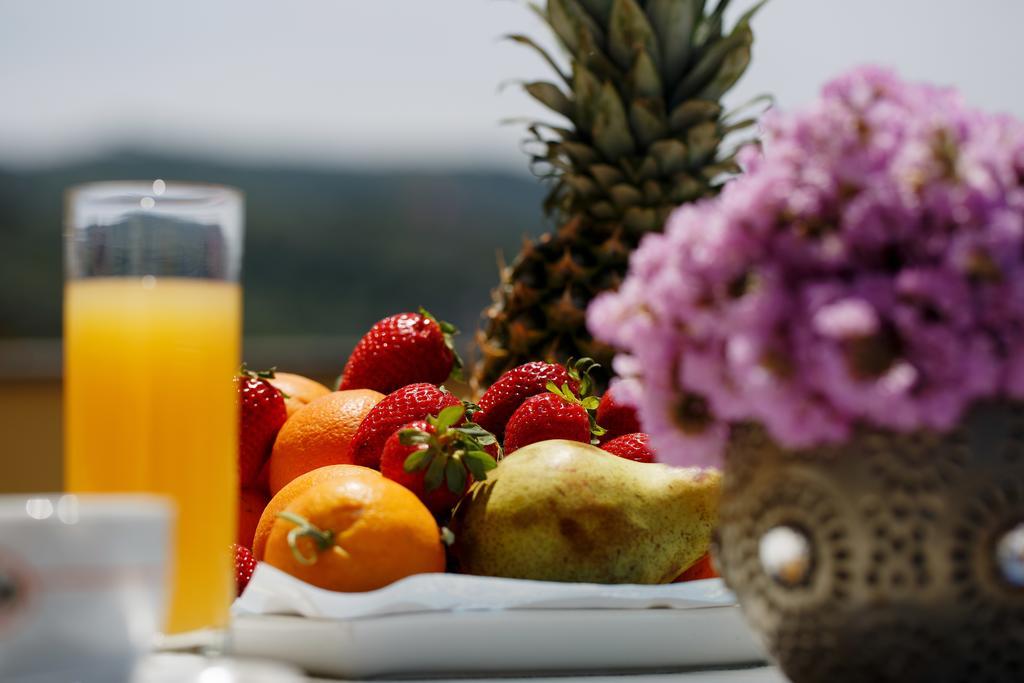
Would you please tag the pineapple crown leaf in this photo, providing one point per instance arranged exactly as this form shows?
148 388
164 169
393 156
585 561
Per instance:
674 22
610 129
629 31
575 28
744 20
732 68
720 65
630 60
627 161
551 96
752 110
598 9
448 331
649 121
710 26
545 55
643 78
449 452
592 55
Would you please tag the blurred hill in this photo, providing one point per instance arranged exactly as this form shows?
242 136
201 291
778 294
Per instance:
327 252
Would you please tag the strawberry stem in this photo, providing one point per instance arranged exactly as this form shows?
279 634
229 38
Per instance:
580 371
588 403
244 371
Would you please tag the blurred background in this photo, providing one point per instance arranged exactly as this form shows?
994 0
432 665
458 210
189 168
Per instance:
368 139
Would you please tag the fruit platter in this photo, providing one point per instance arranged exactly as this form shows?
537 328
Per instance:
520 503
527 511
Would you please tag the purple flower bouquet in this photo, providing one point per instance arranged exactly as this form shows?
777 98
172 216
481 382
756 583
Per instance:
846 322
867 269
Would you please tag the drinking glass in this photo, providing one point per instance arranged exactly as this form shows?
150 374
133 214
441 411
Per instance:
152 335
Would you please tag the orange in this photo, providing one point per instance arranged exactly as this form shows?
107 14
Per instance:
251 504
299 390
293 490
355 534
319 434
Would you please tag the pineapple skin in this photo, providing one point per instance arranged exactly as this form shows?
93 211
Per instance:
645 135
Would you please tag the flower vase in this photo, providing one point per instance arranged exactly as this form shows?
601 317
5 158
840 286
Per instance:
891 557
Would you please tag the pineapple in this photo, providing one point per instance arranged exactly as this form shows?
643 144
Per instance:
645 135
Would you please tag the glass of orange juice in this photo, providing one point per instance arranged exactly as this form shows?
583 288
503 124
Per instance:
152 335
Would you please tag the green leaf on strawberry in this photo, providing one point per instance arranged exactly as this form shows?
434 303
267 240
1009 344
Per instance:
413 437
449 331
436 457
479 463
447 418
580 371
455 475
435 473
588 403
417 460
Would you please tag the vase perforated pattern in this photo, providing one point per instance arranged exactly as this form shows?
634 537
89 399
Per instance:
899 556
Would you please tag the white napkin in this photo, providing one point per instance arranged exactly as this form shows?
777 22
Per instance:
272 591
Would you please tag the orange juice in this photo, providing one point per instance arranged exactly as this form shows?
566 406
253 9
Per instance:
150 406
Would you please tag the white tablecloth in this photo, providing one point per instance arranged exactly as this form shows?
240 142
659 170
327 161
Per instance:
758 675
185 668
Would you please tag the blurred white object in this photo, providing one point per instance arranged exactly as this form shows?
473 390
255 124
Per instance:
83 584
451 624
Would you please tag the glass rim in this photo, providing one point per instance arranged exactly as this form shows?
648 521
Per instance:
180 192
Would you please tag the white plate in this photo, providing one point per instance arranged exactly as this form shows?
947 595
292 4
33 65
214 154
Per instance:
515 641
447 624
502 642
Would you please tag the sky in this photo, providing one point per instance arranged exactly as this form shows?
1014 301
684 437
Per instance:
403 83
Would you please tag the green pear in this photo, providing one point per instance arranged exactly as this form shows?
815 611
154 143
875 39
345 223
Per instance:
568 511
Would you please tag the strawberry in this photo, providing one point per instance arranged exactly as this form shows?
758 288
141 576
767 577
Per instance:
263 478
617 418
436 460
631 447
703 568
245 565
251 504
403 349
402 406
557 414
520 383
262 414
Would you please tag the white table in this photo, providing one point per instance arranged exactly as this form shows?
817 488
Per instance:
183 668
758 675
